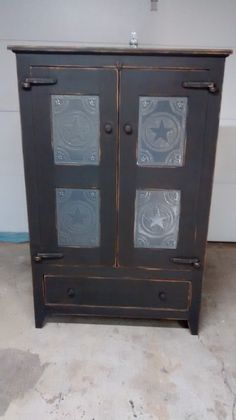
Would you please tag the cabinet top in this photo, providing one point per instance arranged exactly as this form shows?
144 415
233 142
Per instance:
126 51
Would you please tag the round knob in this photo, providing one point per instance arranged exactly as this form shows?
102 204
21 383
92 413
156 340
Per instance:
108 128
26 85
162 296
128 129
197 264
71 293
213 88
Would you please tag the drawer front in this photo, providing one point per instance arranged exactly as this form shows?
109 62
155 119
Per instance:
113 292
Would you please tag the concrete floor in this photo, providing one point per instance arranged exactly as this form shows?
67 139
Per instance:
119 371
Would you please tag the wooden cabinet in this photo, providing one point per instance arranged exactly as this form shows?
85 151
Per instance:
119 149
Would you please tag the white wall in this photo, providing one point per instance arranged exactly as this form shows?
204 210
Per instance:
178 23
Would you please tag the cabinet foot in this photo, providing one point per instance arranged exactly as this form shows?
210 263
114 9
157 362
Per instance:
193 324
39 320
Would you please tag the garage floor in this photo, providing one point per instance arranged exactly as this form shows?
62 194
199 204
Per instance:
117 370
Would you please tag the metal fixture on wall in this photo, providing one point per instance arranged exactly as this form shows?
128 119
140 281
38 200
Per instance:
133 40
154 4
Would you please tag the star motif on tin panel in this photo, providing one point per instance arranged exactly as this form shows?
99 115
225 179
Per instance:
78 217
160 132
76 129
157 215
158 220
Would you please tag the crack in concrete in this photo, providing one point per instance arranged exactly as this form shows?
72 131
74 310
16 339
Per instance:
227 384
224 376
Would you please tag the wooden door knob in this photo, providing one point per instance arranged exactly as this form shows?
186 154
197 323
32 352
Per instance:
108 128
128 129
71 292
162 296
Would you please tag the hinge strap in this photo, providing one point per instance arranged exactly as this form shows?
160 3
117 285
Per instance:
47 256
195 262
210 86
34 81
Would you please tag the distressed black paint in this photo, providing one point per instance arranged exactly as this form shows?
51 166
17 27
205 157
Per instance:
116 279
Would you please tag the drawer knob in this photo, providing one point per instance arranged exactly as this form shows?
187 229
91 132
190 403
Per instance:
71 293
108 128
128 129
162 296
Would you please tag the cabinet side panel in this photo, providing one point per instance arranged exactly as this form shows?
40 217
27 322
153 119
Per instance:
208 157
30 168
23 70
206 183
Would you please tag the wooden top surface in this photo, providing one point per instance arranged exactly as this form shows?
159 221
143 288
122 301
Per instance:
124 51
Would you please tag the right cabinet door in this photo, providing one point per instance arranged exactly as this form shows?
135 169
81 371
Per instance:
162 131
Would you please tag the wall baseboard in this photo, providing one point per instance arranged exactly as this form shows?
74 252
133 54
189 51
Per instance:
15 237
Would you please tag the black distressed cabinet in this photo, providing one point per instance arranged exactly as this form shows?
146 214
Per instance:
119 148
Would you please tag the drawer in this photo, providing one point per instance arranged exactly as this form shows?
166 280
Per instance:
114 292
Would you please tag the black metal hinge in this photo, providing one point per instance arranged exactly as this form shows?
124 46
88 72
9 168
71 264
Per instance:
34 81
210 86
47 256
194 262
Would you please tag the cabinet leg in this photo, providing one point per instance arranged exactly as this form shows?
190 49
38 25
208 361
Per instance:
193 324
39 319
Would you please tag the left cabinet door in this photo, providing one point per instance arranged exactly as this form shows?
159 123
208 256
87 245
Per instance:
74 140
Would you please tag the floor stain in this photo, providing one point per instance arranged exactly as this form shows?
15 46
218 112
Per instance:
133 408
19 372
155 378
55 398
116 330
220 410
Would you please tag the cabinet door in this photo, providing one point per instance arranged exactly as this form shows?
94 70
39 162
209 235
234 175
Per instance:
75 131
162 128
